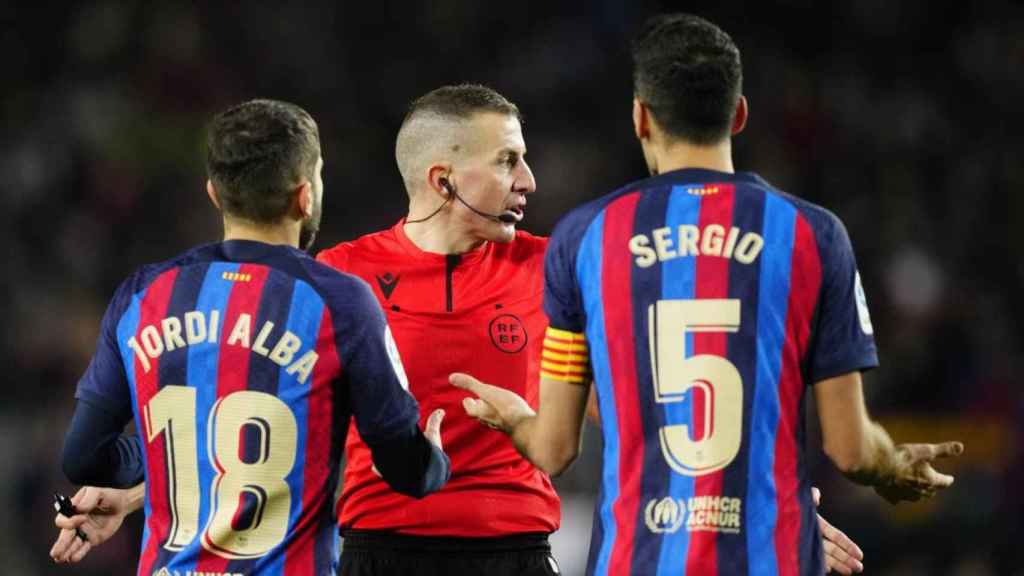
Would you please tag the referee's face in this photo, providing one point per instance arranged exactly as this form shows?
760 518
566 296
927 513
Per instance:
493 177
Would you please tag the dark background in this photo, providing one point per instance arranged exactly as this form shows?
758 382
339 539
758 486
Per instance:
901 117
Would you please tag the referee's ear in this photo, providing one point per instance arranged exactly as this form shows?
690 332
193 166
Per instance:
739 121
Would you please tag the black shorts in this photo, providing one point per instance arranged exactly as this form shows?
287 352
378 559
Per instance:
373 553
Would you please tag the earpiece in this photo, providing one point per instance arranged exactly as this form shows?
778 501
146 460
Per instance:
506 217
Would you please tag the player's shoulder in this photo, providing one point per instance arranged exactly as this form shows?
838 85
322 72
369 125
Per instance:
138 281
141 278
822 220
333 284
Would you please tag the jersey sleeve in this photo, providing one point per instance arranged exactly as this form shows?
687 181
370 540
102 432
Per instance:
844 337
562 302
378 388
105 382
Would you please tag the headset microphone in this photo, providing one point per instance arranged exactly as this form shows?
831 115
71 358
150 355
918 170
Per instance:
504 217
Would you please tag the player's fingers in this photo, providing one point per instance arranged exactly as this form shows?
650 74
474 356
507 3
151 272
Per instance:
478 408
88 499
483 412
433 428
434 421
471 406
847 547
80 553
816 497
65 523
72 548
834 560
948 449
78 495
60 548
919 452
467 382
936 479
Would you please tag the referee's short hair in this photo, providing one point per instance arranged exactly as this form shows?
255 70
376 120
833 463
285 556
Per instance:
435 121
462 101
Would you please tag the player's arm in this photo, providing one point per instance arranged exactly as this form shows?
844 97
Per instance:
863 451
844 346
409 459
95 450
97 453
550 437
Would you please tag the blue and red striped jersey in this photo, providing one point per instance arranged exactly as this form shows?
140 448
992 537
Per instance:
709 301
242 362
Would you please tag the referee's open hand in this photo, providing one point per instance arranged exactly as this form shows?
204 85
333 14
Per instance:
495 407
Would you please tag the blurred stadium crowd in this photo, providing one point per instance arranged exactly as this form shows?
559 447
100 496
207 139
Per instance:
902 117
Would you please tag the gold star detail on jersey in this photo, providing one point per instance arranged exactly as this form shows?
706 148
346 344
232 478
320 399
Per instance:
236 276
703 191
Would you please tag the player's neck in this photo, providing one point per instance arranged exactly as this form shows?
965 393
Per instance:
680 155
273 234
440 236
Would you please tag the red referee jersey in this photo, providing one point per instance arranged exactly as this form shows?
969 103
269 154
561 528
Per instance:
478 313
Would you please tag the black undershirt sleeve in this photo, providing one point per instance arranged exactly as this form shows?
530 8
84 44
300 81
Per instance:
409 463
98 453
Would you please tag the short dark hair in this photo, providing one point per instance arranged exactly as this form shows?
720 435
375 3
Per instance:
256 153
462 101
688 73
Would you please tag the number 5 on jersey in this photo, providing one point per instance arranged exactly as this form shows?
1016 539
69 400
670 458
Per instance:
676 376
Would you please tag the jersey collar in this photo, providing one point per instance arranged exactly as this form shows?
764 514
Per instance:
703 175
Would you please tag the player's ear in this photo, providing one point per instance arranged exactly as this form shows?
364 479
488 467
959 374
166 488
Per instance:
212 193
740 120
641 119
304 200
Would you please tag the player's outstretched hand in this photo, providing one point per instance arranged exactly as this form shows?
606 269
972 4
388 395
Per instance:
432 430
914 477
496 407
101 512
842 555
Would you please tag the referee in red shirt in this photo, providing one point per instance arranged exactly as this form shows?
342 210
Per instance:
462 291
